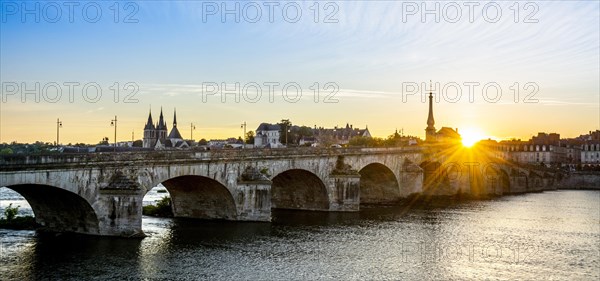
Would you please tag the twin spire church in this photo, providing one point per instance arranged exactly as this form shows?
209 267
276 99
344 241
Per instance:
155 136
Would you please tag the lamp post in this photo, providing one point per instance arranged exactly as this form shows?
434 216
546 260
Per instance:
114 123
286 122
192 128
244 126
58 126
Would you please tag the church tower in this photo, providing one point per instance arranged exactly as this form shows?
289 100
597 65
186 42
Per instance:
175 136
430 134
161 127
149 132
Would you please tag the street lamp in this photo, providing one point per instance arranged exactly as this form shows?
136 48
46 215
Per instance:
192 128
58 126
244 126
286 122
114 123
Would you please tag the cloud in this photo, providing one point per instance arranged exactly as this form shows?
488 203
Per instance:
95 110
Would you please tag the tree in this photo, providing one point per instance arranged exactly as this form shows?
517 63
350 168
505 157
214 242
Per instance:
202 142
250 137
11 212
393 140
6 150
367 141
138 143
305 131
104 141
284 127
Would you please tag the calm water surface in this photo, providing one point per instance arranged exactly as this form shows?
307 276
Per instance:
542 236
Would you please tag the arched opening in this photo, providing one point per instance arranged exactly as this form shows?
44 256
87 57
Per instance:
156 202
200 197
300 190
59 210
9 196
378 185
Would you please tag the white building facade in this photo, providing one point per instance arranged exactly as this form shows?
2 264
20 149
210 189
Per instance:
267 136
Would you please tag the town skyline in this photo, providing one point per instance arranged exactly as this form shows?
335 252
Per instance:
124 133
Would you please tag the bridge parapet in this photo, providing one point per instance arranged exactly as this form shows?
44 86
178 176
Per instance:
21 161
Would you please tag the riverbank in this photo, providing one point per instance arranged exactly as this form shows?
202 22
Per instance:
580 181
19 223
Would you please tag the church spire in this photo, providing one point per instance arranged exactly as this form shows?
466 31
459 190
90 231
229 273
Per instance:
430 130
174 118
149 123
430 120
161 120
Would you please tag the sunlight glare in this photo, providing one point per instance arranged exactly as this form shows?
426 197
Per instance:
470 136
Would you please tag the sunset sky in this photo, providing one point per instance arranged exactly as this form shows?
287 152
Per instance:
369 53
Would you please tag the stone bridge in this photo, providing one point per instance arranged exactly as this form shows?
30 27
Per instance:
102 193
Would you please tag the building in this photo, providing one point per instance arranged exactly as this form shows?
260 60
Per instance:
543 148
444 135
590 152
267 136
339 135
592 135
573 150
155 136
307 141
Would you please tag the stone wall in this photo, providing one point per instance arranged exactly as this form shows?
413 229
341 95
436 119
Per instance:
580 180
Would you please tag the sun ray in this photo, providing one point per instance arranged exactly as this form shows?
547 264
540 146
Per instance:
471 136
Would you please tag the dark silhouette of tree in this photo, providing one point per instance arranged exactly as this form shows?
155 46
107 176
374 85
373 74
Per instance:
250 137
138 143
104 141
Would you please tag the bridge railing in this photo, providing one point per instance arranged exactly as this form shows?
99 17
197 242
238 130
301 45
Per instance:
7 161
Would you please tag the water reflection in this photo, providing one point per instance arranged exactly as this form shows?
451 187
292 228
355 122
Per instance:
553 234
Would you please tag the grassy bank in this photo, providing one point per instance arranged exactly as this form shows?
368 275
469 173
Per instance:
161 209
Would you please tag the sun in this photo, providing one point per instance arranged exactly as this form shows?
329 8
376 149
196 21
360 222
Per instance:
470 136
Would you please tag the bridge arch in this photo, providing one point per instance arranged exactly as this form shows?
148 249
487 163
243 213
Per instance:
59 210
299 189
378 185
200 197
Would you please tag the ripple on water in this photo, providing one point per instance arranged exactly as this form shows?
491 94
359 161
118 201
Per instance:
551 235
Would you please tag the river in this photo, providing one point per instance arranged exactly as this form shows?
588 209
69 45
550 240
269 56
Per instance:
554 235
